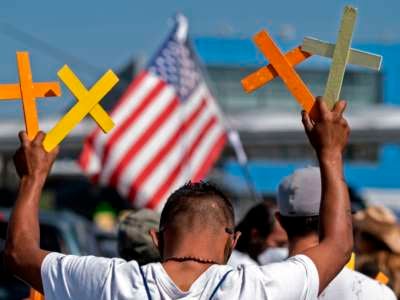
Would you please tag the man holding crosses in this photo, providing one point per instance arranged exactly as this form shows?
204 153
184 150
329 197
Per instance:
196 234
195 238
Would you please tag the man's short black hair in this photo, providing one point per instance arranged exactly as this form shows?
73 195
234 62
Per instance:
196 200
300 226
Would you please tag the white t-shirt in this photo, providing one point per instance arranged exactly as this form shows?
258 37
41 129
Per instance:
239 258
89 277
352 285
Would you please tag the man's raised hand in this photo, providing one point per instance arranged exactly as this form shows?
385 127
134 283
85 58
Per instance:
31 159
329 134
23 255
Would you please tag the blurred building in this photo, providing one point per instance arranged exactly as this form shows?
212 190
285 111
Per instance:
269 120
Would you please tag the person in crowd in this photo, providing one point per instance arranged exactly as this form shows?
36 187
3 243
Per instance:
377 236
299 201
195 238
134 241
262 239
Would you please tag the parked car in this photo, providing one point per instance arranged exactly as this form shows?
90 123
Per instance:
63 232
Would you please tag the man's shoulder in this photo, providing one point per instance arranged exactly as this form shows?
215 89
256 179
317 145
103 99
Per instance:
56 261
67 276
238 258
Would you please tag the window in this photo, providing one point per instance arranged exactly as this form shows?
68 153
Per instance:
360 87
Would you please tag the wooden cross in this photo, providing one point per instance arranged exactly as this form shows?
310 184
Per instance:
267 73
88 103
28 91
283 66
341 54
356 57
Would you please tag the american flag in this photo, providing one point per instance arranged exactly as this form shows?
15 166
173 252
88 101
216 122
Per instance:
168 128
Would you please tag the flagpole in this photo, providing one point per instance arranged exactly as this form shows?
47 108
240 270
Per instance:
250 183
241 158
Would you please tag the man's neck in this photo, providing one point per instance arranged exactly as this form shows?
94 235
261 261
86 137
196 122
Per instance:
199 244
299 244
205 252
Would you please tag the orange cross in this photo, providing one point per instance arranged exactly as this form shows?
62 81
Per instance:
283 66
28 91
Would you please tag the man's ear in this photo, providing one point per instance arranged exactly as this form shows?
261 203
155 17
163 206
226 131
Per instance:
236 238
154 236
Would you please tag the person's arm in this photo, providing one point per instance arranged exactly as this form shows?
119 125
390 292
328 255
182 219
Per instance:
329 136
22 254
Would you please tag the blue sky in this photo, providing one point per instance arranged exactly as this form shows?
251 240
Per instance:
107 34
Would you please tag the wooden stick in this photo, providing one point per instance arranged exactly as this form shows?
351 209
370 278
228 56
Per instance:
80 109
340 57
80 92
40 89
356 57
28 98
267 73
285 70
28 91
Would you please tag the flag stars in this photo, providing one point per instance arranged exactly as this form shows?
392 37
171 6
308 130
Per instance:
175 64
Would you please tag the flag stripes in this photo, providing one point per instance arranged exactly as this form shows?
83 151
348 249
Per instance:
168 131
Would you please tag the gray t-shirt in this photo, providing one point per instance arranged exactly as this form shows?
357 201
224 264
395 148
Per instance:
88 277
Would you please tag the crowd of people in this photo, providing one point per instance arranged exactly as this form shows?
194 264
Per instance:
296 248
263 240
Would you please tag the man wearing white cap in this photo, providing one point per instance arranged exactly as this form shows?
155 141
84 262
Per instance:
299 200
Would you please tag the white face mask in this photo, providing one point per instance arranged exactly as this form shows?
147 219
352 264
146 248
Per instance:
273 255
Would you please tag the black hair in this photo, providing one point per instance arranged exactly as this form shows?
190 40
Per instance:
300 226
259 217
196 199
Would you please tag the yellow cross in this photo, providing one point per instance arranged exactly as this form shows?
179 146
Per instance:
88 103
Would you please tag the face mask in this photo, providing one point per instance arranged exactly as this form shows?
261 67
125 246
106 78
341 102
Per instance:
272 255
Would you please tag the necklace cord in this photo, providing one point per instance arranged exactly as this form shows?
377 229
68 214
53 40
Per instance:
191 258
